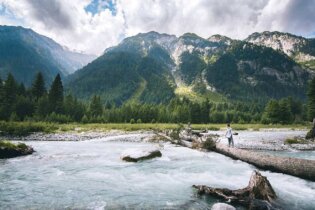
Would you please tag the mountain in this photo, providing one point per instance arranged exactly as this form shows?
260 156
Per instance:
301 49
154 68
25 52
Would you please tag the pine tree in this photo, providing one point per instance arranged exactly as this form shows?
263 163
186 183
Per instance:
96 108
1 100
55 96
10 89
311 99
38 86
271 112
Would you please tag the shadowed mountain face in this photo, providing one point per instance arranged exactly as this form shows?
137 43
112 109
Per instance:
24 53
154 68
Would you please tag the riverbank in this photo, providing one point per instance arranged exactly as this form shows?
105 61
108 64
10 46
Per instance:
250 136
26 128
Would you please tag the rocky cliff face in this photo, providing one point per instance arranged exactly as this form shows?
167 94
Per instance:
298 48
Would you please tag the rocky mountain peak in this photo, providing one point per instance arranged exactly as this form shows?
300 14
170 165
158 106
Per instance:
220 39
285 42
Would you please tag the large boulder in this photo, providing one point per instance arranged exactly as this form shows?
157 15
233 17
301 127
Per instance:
10 150
222 206
135 155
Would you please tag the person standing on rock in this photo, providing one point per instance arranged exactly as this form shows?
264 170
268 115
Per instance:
229 135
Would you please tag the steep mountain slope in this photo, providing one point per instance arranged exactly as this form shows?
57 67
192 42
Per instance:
122 76
153 67
24 53
248 71
299 48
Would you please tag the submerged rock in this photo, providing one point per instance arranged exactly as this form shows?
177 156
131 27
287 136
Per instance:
10 150
259 193
132 155
222 206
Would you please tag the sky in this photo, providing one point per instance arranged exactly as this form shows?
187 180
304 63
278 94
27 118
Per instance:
91 26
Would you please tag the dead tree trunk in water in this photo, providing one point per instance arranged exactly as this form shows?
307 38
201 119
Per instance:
257 195
293 166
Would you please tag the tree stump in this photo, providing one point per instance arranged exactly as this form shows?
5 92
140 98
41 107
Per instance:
259 193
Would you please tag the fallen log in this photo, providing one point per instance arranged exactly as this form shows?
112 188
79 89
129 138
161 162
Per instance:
259 193
293 166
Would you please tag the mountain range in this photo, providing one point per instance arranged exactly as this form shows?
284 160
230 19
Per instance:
25 52
154 68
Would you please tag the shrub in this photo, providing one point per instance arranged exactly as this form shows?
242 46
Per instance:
85 119
209 144
24 128
139 121
132 121
310 134
294 141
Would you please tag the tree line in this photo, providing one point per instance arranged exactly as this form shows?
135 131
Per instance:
37 103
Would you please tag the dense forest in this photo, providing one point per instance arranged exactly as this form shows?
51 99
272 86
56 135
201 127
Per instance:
36 103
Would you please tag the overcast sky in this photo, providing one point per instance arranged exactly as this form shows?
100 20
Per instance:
93 25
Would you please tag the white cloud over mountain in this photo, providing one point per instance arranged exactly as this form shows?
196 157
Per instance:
71 24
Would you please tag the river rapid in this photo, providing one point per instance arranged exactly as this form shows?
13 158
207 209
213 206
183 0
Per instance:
91 175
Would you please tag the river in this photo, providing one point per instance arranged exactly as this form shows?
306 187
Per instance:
91 175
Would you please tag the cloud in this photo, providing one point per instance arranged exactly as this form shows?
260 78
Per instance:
94 25
52 13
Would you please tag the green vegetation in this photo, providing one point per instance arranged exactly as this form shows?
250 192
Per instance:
38 105
25 128
284 111
136 96
10 150
309 64
295 141
10 145
311 99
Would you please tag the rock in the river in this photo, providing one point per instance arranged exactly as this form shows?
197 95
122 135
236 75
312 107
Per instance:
10 150
133 155
257 195
222 206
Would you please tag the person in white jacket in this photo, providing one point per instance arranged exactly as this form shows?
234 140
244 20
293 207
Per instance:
229 135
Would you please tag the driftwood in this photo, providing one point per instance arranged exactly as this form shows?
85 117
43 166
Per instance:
259 193
293 166
142 155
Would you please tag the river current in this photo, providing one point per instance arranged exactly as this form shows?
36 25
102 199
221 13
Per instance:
91 175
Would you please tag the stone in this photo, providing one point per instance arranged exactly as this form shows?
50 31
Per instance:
10 150
222 206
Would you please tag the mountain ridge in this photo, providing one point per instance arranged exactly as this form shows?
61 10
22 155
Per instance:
299 48
25 52
199 66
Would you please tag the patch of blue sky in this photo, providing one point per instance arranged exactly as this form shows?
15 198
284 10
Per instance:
97 6
7 14
310 35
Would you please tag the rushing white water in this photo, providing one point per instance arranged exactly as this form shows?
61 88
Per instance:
90 175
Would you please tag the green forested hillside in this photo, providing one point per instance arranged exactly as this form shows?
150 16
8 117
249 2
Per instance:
23 53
